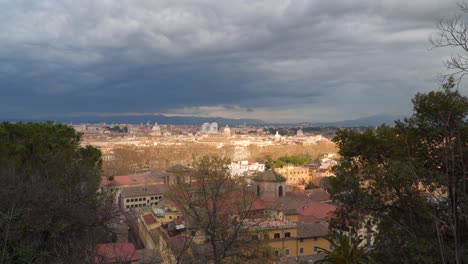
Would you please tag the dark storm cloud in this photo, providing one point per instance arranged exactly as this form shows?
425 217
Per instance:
273 60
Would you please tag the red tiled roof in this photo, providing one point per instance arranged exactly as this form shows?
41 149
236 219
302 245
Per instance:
258 205
317 210
149 219
306 230
179 221
116 253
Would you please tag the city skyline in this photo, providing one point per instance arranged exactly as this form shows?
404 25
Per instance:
277 61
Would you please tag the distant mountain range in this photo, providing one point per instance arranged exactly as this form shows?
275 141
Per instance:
161 119
374 120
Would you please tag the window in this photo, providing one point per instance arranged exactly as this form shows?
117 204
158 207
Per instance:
170 217
301 240
315 249
277 236
131 200
128 206
287 234
128 200
315 239
301 251
286 252
152 197
280 191
144 199
139 199
276 252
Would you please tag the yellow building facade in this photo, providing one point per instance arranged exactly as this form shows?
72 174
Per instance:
295 239
295 175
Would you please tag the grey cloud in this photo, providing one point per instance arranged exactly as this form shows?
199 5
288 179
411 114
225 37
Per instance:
305 56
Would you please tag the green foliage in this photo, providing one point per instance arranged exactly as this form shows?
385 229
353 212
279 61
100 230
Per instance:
51 208
310 185
346 250
410 180
296 160
270 163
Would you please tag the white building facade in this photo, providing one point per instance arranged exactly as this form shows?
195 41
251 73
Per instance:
244 168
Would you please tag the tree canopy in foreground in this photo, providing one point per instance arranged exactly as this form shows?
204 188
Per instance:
51 209
407 185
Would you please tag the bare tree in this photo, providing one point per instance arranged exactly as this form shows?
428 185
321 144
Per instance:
220 209
452 32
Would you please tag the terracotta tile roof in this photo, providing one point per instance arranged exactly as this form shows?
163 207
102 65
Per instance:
318 194
317 229
258 205
116 253
149 219
295 202
138 179
319 211
179 221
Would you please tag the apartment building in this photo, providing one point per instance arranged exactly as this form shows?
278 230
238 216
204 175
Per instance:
140 196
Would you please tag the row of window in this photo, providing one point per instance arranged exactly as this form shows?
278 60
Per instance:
140 205
275 236
298 172
293 179
278 235
143 199
301 250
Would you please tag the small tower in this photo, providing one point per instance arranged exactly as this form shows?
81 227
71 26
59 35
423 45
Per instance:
277 136
227 131
269 185
300 133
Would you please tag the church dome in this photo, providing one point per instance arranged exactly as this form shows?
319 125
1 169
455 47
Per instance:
156 130
227 131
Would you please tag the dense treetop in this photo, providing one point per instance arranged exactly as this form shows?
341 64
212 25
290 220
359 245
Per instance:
51 209
406 185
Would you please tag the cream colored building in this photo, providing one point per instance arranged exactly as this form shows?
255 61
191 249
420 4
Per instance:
295 175
141 196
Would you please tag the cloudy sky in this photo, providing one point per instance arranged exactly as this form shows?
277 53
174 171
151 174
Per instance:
274 60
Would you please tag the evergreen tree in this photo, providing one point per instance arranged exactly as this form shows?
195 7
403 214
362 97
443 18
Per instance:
51 208
409 182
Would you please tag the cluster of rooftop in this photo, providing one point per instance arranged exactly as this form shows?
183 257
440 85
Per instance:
296 223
